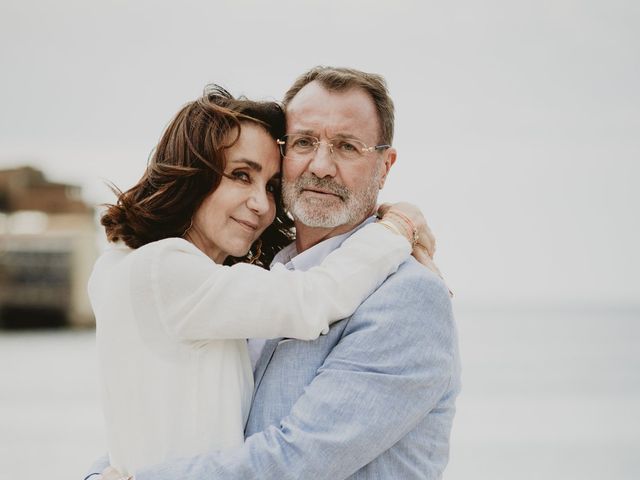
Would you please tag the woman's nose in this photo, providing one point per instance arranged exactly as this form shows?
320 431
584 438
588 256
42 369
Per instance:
258 201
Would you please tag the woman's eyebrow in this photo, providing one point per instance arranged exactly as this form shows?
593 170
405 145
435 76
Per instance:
250 163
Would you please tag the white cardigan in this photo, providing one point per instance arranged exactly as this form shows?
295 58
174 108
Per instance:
172 328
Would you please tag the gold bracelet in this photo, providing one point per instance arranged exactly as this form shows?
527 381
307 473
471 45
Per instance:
404 218
413 231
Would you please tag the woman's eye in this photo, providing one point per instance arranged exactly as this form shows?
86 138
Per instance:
242 176
273 188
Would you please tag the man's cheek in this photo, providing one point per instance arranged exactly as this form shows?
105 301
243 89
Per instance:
290 171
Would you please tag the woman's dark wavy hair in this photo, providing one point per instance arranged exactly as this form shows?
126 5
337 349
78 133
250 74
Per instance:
186 166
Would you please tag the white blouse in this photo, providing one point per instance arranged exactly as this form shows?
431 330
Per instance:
171 335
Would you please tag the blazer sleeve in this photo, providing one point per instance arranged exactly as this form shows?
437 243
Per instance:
396 359
197 299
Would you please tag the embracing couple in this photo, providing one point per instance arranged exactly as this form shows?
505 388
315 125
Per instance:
351 369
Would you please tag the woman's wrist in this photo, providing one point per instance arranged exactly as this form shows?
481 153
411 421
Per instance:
399 226
407 223
391 227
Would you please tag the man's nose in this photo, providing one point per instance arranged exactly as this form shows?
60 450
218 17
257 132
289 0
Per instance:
322 163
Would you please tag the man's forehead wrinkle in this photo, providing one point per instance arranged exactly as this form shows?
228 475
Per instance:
329 123
326 113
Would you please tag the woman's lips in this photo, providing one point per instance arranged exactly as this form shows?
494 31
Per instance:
246 224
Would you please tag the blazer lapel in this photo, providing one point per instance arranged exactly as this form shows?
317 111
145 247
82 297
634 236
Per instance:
264 359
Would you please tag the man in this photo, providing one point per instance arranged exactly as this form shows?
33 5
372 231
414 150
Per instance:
374 398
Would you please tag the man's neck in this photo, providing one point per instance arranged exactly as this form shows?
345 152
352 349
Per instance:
307 237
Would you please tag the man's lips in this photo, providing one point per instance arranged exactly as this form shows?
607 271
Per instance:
319 191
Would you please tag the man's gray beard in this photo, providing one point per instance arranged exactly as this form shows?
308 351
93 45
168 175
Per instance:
316 212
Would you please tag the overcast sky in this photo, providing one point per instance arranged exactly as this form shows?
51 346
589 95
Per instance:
518 122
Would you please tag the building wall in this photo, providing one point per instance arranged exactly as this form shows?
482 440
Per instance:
48 244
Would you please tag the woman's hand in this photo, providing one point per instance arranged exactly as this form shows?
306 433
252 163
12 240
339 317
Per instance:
409 220
111 473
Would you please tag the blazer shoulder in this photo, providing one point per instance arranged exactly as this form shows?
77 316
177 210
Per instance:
413 295
411 309
412 278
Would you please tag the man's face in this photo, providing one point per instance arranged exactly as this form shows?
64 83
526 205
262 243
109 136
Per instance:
322 190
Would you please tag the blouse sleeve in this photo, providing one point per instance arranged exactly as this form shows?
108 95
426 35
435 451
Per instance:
197 299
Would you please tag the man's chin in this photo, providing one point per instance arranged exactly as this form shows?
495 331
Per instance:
319 218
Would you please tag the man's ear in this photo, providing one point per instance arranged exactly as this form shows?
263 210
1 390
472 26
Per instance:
388 160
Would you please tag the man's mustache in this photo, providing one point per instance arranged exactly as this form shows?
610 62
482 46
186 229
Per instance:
326 184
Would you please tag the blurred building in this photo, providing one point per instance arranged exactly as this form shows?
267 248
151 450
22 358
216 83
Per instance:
47 249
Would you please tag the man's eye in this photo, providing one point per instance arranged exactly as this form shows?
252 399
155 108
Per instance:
303 142
347 147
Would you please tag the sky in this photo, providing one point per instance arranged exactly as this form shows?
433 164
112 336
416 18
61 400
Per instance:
518 122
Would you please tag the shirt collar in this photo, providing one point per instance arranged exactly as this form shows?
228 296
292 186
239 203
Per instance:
313 256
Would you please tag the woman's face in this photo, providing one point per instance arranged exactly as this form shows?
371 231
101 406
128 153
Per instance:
234 215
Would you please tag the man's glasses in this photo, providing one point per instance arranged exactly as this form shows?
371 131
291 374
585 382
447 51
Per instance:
299 146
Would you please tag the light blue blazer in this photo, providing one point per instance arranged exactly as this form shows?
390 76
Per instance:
372 399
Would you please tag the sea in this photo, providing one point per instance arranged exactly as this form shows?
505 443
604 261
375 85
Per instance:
547 394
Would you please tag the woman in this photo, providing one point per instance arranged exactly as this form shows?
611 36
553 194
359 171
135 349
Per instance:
172 313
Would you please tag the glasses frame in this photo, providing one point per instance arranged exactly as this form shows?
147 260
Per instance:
282 142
